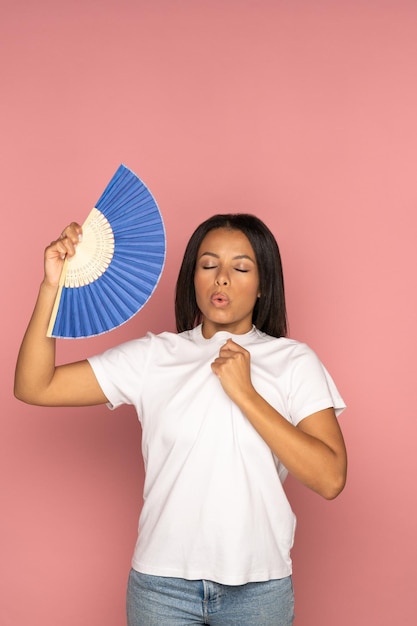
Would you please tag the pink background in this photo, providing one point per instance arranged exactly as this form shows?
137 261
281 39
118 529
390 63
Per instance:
302 112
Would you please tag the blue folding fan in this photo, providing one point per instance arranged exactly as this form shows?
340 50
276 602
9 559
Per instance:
117 265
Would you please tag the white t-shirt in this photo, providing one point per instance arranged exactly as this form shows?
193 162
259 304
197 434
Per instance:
214 506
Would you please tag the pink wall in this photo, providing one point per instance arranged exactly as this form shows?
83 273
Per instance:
303 112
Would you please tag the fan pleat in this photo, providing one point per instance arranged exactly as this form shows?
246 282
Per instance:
127 283
91 315
137 293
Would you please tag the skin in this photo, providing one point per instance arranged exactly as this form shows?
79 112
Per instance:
227 286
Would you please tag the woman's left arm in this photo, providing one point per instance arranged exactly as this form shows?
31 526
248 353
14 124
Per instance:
313 451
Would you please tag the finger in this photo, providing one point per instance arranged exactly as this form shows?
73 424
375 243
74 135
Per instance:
216 368
230 347
227 347
57 248
70 237
73 232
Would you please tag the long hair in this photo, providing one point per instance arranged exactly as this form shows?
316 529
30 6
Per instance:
269 314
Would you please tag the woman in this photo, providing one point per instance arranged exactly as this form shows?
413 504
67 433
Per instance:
228 406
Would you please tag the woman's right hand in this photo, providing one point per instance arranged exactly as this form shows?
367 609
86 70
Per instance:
58 250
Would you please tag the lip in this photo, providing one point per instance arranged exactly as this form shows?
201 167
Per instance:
219 299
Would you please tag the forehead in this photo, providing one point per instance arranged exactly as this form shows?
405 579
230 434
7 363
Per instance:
226 241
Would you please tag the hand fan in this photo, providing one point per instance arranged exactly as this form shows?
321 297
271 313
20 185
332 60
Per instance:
117 265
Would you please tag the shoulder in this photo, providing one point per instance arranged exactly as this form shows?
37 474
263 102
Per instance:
285 346
151 343
145 347
287 357
172 341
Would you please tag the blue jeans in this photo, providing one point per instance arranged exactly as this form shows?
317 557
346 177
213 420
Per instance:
161 601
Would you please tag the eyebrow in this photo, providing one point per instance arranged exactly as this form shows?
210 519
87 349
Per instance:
235 258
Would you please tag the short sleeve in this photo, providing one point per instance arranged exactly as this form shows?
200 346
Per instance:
120 371
312 388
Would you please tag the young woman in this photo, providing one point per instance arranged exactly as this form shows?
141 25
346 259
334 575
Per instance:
228 406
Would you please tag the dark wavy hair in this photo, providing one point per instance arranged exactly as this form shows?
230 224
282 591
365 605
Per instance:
269 314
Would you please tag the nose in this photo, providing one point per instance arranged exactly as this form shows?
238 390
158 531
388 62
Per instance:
222 279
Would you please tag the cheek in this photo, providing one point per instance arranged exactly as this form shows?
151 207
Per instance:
198 287
255 290
201 280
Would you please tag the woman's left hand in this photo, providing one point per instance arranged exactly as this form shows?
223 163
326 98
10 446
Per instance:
232 367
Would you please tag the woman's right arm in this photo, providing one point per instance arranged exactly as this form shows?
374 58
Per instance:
37 379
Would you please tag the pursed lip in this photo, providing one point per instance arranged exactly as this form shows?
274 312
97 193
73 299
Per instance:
219 299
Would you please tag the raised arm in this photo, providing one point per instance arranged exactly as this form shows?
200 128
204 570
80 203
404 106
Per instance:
314 451
37 379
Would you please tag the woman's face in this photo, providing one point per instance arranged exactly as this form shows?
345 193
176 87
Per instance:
226 282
